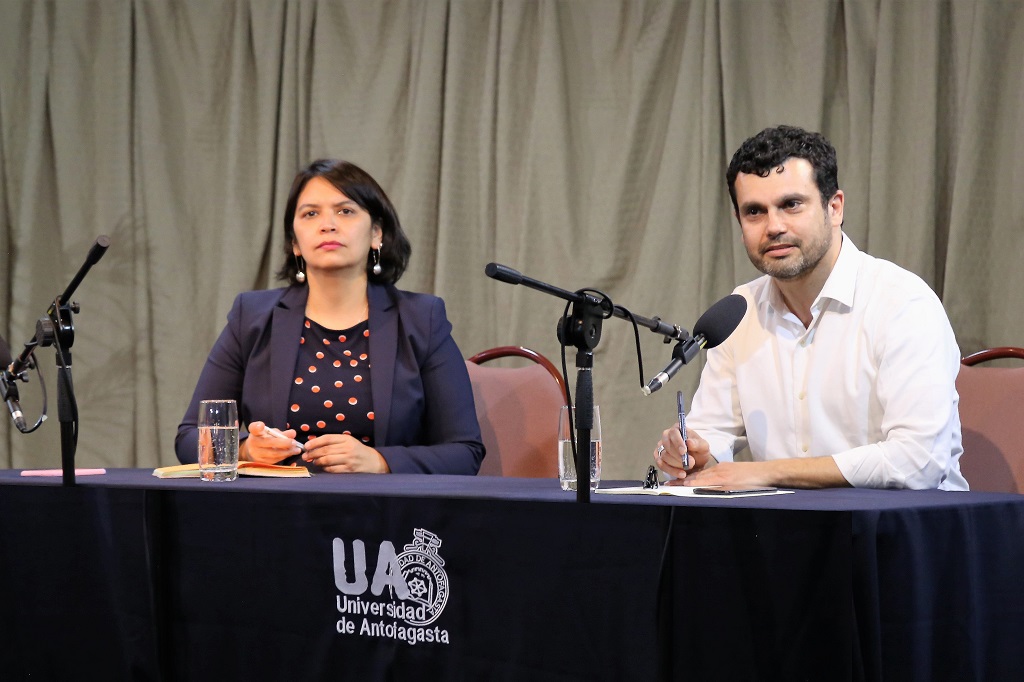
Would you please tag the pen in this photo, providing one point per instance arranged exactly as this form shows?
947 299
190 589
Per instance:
277 434
682 426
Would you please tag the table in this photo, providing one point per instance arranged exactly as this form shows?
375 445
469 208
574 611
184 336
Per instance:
126 576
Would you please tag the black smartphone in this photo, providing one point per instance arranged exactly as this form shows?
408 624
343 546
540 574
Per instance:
733 490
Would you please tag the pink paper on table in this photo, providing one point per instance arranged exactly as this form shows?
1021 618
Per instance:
60 472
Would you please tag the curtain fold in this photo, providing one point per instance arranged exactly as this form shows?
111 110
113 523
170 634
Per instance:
582 143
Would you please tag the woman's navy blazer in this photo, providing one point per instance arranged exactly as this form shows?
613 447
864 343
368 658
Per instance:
424 416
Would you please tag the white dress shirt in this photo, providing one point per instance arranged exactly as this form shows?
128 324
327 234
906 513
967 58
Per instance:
871 380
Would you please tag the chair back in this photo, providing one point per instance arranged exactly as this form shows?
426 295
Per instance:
518 413
991 411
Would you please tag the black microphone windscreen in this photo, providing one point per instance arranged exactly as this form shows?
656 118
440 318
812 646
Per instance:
503 273
721 319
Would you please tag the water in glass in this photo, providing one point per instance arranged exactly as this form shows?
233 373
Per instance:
567 468
218 453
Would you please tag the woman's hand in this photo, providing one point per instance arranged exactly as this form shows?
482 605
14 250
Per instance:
341 454
261 447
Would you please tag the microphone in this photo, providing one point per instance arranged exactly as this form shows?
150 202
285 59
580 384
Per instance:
662 377
10 392
713 327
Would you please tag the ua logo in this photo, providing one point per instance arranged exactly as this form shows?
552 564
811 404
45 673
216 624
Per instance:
416 575
387 573
423 570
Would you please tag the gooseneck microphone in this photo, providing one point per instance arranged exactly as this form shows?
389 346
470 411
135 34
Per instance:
713 327
8 388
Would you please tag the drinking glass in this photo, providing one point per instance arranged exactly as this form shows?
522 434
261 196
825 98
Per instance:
566 466
218 440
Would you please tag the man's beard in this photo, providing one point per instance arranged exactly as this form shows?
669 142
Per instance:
808 255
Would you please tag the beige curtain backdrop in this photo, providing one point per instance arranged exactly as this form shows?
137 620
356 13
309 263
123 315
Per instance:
582 142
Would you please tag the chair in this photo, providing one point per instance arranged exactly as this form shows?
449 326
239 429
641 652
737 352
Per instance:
991 411
518 413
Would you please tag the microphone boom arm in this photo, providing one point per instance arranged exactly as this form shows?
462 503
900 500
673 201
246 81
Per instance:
503 273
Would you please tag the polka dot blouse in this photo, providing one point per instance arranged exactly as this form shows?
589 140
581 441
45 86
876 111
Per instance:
331 389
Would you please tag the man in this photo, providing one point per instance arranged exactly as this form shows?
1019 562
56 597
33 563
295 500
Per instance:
842 371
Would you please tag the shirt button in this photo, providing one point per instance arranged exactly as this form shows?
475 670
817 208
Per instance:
805 448
803 394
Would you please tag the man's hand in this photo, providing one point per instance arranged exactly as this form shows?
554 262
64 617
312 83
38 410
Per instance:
704 470
798 472
728 474
668 456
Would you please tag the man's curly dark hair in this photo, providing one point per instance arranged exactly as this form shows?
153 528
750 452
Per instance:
771 147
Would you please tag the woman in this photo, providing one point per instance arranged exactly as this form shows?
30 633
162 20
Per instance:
366 377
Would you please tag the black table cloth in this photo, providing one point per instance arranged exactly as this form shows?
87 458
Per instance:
126 576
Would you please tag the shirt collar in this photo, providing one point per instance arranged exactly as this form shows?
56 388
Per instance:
839 287
842 281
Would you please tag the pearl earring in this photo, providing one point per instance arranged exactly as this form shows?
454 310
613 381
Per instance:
300 276
376 262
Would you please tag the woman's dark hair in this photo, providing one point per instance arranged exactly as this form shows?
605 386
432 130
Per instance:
360 187
771 147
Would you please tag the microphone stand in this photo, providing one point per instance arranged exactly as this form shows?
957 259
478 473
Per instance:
582 329
57 329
